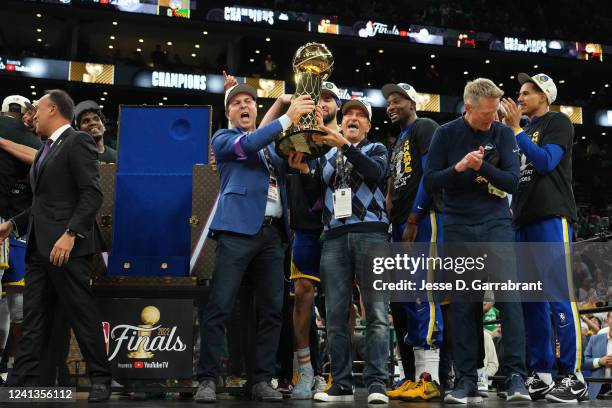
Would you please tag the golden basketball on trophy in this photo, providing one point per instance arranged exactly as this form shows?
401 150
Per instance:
149 316
312 64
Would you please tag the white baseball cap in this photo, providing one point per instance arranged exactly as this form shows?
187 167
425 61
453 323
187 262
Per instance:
542 81
331 88
402 88
360 103
17 100
240 88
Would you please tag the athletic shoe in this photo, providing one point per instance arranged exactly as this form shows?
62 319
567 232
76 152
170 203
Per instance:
284 387
302 390
483 384
335 393
319 384
464 393
207 391
376 394
294 377
569 389
537 388
515 389
232 381
263 391
424 389
402 387
329 382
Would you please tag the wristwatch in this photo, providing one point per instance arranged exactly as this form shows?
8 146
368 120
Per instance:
70 232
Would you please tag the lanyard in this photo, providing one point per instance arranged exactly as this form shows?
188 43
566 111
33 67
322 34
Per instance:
343 171
268 162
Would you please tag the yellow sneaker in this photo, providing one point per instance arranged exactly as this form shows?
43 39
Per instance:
405 386
424 389
294 378
329 383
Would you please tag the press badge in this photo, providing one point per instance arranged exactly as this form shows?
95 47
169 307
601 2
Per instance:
342 203
273 190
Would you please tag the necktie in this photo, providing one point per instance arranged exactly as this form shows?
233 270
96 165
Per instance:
42 156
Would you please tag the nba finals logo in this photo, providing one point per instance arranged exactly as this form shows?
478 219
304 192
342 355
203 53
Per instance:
142 340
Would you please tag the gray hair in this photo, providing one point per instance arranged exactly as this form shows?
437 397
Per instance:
480 88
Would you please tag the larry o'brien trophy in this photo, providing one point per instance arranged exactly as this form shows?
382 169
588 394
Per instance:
313 63
149 316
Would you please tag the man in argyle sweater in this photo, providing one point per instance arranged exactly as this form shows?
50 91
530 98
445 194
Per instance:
352 175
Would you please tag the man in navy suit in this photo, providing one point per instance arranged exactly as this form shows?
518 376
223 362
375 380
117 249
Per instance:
250 225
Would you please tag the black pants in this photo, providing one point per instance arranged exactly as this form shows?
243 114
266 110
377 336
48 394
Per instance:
45 285
53 367
262 254
237 338
401 329
468 340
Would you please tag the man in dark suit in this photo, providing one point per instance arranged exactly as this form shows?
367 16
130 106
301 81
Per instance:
63 237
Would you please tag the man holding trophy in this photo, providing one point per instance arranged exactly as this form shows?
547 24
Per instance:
250 225
348 165
352 221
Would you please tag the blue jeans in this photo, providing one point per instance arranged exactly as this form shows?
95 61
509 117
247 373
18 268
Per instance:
341 259
468 343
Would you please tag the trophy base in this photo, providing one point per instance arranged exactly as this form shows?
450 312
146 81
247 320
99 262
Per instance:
301 141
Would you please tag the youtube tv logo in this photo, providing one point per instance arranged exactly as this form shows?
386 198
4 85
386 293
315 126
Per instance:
138 364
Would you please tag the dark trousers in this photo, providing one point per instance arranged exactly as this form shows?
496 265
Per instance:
468 341
262 254
446 351
45 286
401 329
237 340
53 367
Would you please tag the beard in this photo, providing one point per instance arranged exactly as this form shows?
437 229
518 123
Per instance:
328 118
97 137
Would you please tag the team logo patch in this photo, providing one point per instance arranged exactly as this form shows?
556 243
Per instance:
543 78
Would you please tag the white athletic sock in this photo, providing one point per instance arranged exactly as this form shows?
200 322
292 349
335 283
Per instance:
427 361
303 356
546 377
579 375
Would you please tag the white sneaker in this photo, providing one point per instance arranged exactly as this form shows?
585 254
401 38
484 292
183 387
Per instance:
319 384
335 393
